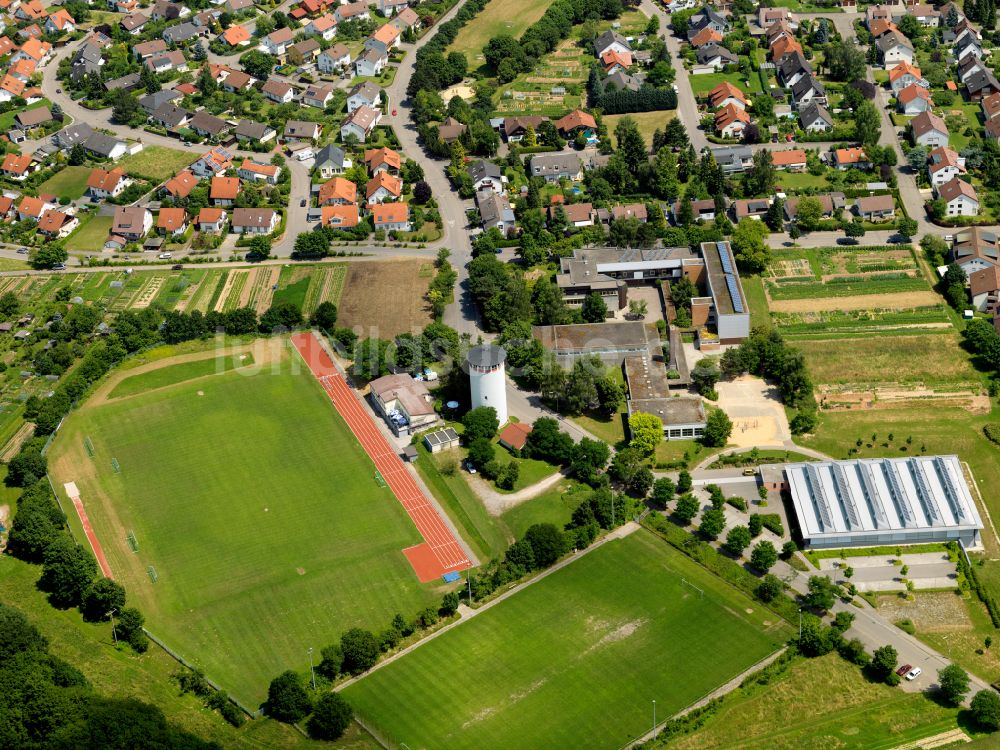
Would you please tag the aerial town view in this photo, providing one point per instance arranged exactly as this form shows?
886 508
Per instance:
499 374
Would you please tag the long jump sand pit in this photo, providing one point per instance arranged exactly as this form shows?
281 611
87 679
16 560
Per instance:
897 301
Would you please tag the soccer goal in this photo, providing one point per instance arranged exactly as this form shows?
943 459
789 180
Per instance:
379 480
701 593
89 445
115 465
132 542
152 574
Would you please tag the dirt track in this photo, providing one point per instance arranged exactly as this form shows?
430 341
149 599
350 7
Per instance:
898 301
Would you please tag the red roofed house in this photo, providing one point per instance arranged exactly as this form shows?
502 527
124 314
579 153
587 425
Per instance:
913 100
392 217
984 288
851 158
59 22
180 185
782 47
17 166
726 93
514 436
224 190
382 160
338 191
340 216
383 187
57 224
731 121
211 219
236 36
254 172
615 61
792 161
706 36
32 208
575 122
960 198
172 221
107 184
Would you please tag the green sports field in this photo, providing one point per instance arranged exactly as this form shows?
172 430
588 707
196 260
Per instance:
257 509
574 660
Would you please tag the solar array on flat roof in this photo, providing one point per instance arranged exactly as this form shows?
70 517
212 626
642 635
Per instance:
819 497
903 508
724 257
734 292
950 490
844 495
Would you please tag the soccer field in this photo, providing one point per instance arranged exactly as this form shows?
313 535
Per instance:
257 509
574 660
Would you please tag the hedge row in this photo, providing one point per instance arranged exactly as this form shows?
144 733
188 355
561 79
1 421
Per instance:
984 596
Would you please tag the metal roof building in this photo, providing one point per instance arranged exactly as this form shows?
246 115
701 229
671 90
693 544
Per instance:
868 502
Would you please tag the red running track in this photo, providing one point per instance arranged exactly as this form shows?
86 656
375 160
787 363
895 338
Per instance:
95 545
446 553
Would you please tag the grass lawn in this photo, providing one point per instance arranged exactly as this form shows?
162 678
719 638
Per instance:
823 703
256 507
892 359
120 674
510 17
555 506
167 376
575 658
530 470
69 183
156 163
702 84
648 122
610 430
91 235
800 180
753 288
10 264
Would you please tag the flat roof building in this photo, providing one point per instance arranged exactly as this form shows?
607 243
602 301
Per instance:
878 501
683 417
730 308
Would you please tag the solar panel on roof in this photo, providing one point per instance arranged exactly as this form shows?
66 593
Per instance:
819 497
734 292
727 267
950 491
924 493
903 509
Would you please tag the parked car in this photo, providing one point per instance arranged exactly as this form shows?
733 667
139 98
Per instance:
470 467
176 267
914 674
302 203
22 251
59 267
393 113
904 669
164 256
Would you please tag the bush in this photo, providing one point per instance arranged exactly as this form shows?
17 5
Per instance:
986 709
360 650
330 718
287 699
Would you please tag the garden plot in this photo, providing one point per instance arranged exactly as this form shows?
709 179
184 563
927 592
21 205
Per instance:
150 289
327 287
264 291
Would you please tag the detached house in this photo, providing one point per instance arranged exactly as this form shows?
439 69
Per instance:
716 56
57 224
486 176
495 212
726 93
277 42
324 26
223 190
317 96
214 162
806 90
331 160
172 221
557 166
343 216
612 40
180 185
893 49
391 217
383 187
211 220
334 59
59 22
370 63
131 222
360 123
851 158
929 130
943 165
576 122
875 207
278 91
913 100
959 197
731 121
382 160
107 183
815 118
252 171
254 220
18 166
904 75
300 130
337 191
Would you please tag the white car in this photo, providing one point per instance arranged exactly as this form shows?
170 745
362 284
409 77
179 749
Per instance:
164 256
914 673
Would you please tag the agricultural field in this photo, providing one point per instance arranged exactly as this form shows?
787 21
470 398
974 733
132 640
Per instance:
260 547
156 163
386 297
823 703
70 183
621 642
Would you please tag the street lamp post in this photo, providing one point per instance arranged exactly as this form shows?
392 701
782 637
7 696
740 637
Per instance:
800 624
311 670
654 719
114 634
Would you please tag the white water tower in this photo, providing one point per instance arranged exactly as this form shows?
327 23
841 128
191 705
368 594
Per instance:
487 380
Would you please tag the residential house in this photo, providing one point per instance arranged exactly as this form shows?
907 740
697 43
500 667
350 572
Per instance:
18 166
635 211
236 81
451 130
180 185
69 136
815 118
331 160
383 160
974 249
515 128
248 130
707 17
486 176
166 61
182 32
172 221
616 62
59 22
703 38
576 122
406 19
211 220
980 84
129 82
733 159
807 90
10 87
959 197
611 40
214 162
929 130
391 217
984 289
349 11
236 35
307 49
926 15
324 26
33 118
131 222
299 130
831 205
731 121
557 166
107 183
622 82
851 158
171 117
880 28
57 224
750 208
969 46
337 191
385 37
164 10
893 49
277 42
726 93
388 8
33 208
913 100
152 102
334 59
277 91
340 216
223 190
716 56
383 187
875 207
253 171
360 123
943 165
370 63
32 49
768 16
792 68
904 75
701 210
105 146
991 106
875 13
207 126
133 23
147 49
495 212
254 220
578 215
793 160
970 67
317 96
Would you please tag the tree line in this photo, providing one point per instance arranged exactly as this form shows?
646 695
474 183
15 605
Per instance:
431 69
